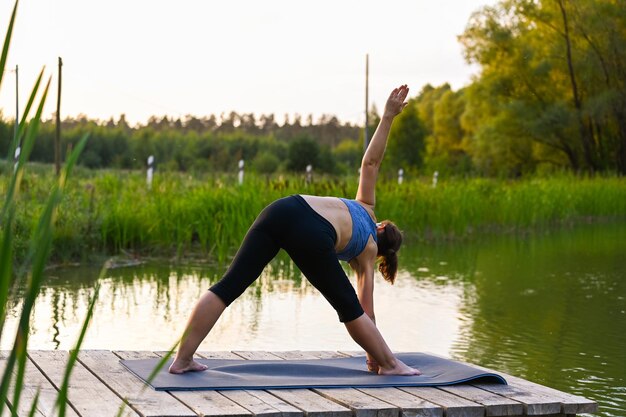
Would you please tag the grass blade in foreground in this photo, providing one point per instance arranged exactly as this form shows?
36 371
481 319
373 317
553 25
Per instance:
39 251
7 42
33 407
38 247
61 402
8 210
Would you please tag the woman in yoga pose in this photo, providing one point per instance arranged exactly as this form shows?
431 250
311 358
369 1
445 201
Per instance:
316 232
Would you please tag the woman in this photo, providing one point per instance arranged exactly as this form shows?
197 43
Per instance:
316 232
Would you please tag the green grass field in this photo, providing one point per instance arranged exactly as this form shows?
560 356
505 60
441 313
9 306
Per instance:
107 212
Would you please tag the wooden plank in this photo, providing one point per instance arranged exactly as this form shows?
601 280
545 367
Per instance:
244 402
204 403
409 405
218 355
262 403
360 403
34 380
314 354
570 404
259 403
256 355
4 408
433 402
141 397
534 403
26 397
352 352
545 396
222 354
453 405
530 395
495 405
312 404
87 394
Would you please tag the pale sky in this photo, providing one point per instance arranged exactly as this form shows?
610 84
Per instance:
175 58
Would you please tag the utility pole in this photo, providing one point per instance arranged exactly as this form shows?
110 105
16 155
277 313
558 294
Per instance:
57 142
366 139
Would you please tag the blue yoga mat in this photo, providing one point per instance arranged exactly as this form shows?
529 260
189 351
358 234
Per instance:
228 374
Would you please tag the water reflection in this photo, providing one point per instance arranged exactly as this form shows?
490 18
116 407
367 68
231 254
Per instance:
550 308
146 306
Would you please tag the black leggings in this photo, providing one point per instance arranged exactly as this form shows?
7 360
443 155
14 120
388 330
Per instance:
309 239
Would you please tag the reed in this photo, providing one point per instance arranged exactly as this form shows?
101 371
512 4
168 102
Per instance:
32 232
109 212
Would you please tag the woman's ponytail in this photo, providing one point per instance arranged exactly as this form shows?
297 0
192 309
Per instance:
389 266
389 242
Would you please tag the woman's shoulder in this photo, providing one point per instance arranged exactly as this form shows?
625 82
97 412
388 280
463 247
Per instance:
368 207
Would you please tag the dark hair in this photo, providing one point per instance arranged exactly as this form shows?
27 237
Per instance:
389 242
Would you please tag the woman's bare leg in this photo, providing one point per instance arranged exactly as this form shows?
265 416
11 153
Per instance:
209 308
364 332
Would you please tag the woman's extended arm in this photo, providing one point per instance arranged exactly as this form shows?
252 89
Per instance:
376 149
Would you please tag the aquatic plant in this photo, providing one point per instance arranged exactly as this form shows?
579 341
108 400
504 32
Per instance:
112 212
30 272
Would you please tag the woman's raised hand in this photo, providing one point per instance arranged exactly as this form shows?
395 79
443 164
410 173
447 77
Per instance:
395 102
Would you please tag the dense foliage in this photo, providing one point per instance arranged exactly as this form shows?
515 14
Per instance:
552 89
109 212
205 144
550 95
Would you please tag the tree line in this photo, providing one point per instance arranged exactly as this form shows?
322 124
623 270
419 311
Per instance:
550 95
204 144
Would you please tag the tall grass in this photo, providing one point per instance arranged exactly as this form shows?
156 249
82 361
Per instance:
109 212
29 272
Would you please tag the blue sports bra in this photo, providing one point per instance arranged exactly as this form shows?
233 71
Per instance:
362 227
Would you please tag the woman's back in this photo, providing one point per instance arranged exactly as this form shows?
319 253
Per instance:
336 212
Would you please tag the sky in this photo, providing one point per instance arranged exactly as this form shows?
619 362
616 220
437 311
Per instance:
152 57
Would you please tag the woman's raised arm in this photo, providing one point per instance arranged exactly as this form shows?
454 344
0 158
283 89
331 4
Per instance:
376 149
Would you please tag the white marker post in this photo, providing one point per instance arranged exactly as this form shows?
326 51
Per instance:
309 173
240 171
435 176
400 176
150 172
18 151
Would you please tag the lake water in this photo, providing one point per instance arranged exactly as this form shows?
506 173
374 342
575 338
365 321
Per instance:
550 308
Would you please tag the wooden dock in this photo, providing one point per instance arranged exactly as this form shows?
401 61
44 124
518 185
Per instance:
101 386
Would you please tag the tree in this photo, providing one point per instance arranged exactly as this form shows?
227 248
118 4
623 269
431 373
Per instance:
446 149
349 154
266 163
552 75
303 151
405 148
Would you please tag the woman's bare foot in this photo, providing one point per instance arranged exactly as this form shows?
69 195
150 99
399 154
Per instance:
180 366
400 368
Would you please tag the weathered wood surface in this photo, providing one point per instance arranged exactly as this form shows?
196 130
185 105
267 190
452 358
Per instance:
34 381
531 395
87 394
101 386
